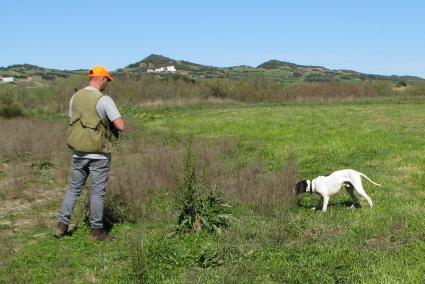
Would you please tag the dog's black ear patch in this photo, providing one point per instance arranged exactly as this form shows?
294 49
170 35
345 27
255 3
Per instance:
301 187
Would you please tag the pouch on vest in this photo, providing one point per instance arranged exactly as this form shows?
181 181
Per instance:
84 134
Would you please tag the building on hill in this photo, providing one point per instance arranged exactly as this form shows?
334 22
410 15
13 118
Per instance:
5 80
171 69
167 69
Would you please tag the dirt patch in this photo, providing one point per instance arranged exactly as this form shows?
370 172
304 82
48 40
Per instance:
29 210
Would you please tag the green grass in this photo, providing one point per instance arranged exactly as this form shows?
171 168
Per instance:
383 244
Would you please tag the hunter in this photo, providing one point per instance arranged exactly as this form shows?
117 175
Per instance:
93 120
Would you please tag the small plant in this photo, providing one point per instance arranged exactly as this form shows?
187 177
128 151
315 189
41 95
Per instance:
138 260
213 256
41 165
8 106
196 211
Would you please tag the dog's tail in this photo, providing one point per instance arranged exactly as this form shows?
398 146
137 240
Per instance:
365 176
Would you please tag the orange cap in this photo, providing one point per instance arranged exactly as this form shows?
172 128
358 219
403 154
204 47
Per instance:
100 71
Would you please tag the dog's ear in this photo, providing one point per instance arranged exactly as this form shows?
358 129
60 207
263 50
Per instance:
301 187
298 188
305 185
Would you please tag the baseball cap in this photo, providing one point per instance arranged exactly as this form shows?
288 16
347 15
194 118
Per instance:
99 71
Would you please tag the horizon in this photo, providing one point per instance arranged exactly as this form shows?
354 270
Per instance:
152 54
374 38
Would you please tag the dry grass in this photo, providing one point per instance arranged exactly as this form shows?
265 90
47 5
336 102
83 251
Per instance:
147 164
150 91
33 155
32 138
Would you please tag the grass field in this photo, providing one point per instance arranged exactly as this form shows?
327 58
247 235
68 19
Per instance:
383 244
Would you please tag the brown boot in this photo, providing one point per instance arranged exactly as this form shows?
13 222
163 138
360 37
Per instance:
100 235
60 231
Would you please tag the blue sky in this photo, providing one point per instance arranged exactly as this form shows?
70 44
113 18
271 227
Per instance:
381 37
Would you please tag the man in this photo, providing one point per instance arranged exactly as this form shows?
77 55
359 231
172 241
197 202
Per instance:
92 118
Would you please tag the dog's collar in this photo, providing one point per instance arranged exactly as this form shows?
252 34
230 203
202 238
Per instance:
311 187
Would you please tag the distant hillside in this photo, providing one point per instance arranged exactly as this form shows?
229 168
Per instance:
24 71
32 75
276 64
157 61
321 74
273 69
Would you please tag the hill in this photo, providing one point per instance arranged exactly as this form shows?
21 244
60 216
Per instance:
156 61
33 75
319 73
276 64
27 70
282 71
273 69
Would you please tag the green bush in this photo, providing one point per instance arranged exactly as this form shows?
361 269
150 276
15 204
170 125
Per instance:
401 84
218 90
8 106
198 212
11 111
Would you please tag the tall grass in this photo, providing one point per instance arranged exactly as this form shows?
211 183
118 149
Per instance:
148 165
33 154
251 90
150 91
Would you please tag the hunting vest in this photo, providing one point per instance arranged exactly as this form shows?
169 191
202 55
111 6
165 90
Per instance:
87 131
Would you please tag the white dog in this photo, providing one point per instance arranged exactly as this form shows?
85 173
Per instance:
332 184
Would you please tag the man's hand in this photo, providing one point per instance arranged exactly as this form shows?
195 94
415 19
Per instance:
119 124
116 126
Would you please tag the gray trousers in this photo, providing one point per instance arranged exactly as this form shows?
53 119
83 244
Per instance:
81 168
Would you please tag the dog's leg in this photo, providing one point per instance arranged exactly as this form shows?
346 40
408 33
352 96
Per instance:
360 190
325 203
350 189
319 205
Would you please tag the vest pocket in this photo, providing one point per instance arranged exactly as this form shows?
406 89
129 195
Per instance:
90 123
73 120
85 135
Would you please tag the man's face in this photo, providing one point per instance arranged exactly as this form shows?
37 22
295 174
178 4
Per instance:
104 84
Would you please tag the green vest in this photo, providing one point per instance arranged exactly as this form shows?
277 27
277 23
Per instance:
87 131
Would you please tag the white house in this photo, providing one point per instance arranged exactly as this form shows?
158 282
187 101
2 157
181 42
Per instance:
167 69
159 70
6 80
171 69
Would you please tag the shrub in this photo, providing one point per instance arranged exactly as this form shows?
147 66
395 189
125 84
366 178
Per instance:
418 90
11 111
401 84
8 106
198 212
218 90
